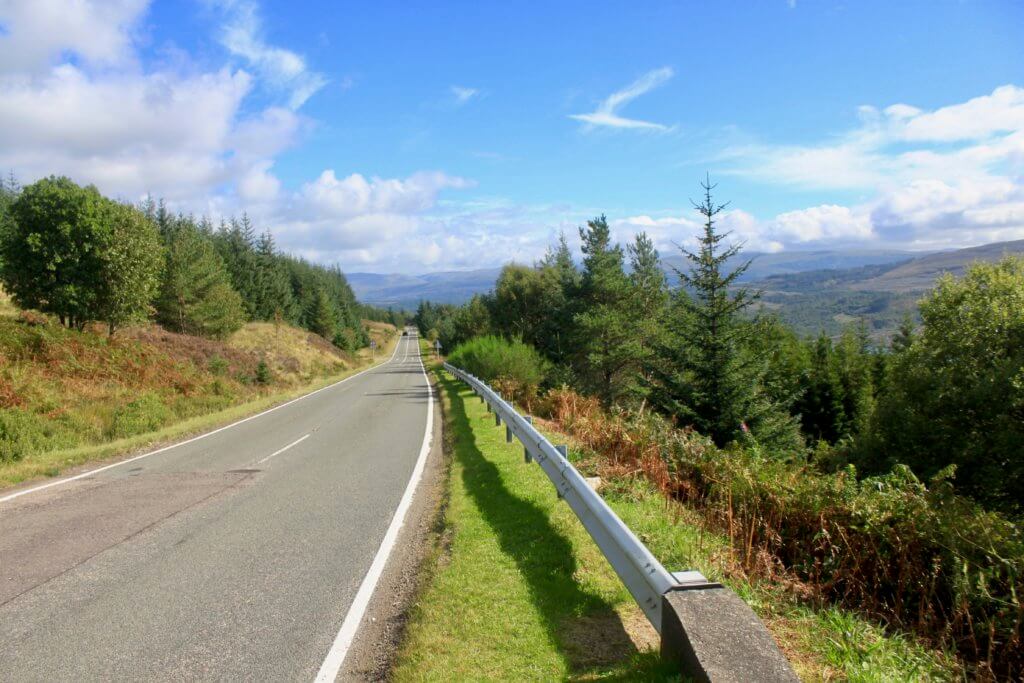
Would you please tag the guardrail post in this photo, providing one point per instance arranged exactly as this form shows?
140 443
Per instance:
564 450
714 636
508 434
497 417
526 451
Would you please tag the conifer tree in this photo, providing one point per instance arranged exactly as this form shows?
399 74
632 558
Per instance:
702 374
649 298
273 285
606 343
196 296
323 319
560 282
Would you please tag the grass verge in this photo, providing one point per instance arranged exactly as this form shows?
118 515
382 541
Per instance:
52 463
520 592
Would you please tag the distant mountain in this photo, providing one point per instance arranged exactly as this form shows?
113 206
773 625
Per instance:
406 291
812 290
456 287
765 264
878 294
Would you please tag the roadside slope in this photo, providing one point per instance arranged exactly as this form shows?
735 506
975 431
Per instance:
67 397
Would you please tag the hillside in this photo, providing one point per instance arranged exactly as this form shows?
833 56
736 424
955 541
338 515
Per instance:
62 389
455 287
878 294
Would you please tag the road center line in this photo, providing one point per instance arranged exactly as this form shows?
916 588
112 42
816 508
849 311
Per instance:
343 641
282 450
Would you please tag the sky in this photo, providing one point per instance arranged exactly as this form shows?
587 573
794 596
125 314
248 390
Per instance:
415 137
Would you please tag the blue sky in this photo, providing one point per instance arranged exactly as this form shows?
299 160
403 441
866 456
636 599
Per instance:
400 136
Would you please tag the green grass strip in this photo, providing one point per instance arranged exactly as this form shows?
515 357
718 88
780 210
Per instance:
519 591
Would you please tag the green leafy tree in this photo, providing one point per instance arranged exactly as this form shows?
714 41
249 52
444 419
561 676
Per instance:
607 346
134 262
517 303
71 252
196 296
703 374
955 395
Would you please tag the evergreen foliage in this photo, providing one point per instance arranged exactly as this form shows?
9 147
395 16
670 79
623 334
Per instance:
607 350
196 296
703 376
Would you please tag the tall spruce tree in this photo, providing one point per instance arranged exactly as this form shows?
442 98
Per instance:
703 374
273 286
196 296
560 283
649 299
607 347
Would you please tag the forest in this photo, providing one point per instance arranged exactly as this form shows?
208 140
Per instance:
69 251
889 477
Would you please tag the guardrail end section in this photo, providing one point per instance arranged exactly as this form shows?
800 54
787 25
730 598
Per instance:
715 637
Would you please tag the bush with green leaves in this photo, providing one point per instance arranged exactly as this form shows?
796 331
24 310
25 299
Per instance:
494 358
146 413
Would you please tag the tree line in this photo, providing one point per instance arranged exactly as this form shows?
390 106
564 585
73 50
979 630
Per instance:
946 399
69 251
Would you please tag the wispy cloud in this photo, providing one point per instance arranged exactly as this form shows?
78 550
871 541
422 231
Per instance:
280 68
463 94
606 113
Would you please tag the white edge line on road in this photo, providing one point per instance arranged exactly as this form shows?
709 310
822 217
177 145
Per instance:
282 450
343 641
25 492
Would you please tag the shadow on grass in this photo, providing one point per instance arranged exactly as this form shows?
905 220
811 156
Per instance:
588 631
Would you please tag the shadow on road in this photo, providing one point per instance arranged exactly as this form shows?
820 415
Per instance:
587 629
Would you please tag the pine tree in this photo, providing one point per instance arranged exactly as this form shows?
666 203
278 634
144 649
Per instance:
323 319
196 296
703 374
606 343
236 245
273 286
561 283
649 298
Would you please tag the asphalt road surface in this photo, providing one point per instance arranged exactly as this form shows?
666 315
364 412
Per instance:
234 556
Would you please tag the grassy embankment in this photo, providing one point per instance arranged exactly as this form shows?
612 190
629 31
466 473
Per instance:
69 397
518 591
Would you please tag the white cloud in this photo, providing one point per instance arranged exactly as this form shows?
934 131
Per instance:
36 33
606 113
280 68
84 106
463 95
898 145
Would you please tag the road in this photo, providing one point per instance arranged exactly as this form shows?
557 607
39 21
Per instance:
237 555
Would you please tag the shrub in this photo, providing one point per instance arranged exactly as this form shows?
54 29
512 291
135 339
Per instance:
916 555
23 433
147 413
493 358
262 373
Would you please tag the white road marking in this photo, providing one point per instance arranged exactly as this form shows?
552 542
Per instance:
282 450
343 641
58 482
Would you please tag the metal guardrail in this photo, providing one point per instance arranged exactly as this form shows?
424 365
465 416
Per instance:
645 578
